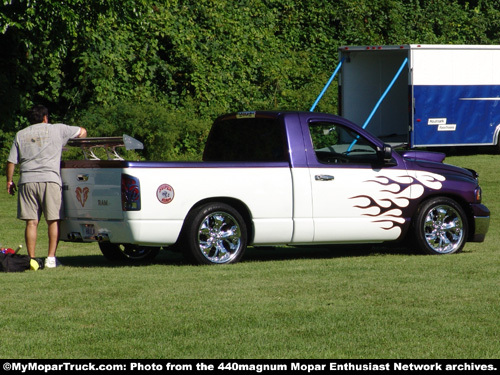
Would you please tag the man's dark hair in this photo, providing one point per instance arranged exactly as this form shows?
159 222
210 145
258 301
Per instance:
37 113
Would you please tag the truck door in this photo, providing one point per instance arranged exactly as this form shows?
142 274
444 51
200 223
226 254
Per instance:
354 195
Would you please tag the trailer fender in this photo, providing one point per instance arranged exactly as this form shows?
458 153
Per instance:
496 138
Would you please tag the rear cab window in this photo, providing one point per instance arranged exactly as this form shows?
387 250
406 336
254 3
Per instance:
247 139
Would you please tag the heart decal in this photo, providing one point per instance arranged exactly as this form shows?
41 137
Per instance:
82 195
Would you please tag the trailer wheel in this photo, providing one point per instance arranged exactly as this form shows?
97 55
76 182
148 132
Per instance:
440 227
215 233
127 252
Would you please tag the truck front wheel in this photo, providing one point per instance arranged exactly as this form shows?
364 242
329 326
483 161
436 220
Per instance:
215 233
440 227
127 252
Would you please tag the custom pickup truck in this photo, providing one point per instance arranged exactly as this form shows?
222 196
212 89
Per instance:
270 178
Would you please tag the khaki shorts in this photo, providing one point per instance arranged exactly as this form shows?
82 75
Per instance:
37 197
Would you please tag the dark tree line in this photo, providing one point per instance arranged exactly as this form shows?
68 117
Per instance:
162 70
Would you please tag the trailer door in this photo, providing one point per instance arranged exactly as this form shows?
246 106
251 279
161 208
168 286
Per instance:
365 75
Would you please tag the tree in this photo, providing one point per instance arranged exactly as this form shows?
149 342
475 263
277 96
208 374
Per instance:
204 57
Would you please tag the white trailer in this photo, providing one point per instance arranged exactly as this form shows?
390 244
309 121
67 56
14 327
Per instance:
423 95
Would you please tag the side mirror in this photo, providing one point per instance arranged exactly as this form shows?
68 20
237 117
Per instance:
385 154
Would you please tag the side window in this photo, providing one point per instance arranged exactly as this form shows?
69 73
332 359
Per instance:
337 144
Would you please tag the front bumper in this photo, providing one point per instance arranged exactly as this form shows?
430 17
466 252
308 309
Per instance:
481 222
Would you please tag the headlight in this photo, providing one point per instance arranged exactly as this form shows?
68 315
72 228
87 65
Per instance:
479 194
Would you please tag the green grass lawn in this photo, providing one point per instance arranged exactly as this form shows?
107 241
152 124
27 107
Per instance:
277 303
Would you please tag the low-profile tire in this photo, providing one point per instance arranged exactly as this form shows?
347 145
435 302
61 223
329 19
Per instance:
440 227
214 233
127 252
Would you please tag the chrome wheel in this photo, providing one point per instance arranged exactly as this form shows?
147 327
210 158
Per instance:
441 227
219 237
444 229
215 233
128 252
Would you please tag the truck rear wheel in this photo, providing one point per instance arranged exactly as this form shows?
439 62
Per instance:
440 227
127 252
214 234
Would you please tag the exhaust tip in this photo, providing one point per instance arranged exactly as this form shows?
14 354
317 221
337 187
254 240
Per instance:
74 236
102 237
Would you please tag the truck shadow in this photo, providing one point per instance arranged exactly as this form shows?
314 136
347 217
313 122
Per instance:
259 254
253 254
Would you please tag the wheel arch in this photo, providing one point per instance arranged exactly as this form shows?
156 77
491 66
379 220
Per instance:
460 201
496 138
237 204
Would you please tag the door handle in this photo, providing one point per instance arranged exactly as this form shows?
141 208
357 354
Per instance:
323 177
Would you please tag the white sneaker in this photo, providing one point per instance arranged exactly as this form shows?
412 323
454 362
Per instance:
52 262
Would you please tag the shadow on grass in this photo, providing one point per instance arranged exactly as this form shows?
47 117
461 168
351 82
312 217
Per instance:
90 261
253 254
257 254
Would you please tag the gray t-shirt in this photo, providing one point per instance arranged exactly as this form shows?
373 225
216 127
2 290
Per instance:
37 149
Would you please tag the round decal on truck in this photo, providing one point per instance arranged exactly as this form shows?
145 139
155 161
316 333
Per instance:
165 193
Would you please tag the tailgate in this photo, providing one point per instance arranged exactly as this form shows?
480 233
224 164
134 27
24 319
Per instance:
92 193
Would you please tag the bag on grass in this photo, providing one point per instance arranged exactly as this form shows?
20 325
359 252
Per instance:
14 262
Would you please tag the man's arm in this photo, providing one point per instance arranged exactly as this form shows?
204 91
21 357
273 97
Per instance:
11 186
83 133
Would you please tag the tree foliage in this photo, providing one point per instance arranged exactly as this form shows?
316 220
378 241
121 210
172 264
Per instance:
191 60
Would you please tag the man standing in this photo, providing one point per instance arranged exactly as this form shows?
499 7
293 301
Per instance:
37 149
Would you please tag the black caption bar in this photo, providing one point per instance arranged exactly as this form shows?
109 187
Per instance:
249 366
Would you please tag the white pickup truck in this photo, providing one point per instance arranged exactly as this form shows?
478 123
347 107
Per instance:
270 178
